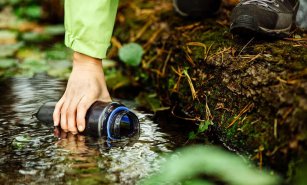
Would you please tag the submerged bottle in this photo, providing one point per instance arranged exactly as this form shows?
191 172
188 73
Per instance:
113 120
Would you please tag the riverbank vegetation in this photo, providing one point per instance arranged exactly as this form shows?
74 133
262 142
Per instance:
248 95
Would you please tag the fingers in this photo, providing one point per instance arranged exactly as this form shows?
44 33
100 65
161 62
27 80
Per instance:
56 132
68 115
63 122
57 111
71 116
82 108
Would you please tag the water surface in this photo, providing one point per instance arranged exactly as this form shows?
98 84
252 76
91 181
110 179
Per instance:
30 153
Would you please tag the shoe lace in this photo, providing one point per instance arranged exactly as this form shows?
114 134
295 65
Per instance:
264 3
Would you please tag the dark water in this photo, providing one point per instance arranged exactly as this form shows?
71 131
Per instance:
31 154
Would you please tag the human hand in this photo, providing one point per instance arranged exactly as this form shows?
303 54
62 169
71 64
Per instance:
86 85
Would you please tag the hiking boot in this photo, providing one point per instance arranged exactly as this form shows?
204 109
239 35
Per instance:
197 8
264 17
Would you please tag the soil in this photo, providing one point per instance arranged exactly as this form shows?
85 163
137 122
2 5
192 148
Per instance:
252 90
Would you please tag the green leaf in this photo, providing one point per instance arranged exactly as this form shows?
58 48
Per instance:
190 163
54 30
32 11
59 68
7 63
192 135
35 37
21 141
58 52
131 54
204 125
30 67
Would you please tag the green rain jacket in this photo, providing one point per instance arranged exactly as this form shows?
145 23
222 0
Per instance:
89 25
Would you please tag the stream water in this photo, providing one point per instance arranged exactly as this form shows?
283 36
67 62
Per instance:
30 152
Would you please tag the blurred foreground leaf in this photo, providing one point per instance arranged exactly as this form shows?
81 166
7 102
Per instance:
131 54
191 163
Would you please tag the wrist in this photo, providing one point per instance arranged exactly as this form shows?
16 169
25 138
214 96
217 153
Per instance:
86 62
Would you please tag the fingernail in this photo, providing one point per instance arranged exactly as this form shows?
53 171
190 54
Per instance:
74 133
55 123
80 128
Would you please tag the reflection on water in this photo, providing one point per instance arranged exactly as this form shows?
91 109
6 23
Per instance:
30 152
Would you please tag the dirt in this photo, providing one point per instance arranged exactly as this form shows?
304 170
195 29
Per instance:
254 90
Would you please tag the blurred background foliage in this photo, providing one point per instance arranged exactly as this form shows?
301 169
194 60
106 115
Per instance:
31 39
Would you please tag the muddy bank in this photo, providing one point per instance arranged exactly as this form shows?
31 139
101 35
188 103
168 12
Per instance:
253 91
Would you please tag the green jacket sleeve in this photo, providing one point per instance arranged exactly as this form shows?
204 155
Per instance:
89 25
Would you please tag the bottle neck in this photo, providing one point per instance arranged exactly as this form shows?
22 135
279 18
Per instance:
122 123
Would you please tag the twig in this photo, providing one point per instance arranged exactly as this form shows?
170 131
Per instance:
200 45
296 39
116 42
194 95
208 112
188 27
246 46
166 62
244 110
260 150
152 38
142 31
189 58
179 73
184 118
275 128
289 82
254 58
145 65
208 50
